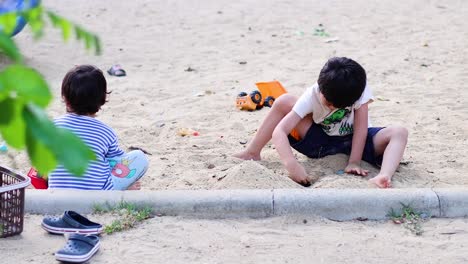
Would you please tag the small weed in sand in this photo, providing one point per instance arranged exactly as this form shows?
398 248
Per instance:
128 215
103 208
409 218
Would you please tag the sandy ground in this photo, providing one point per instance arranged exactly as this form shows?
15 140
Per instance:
415 56
414 53
274 240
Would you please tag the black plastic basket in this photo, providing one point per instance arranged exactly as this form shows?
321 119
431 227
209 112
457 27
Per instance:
12 188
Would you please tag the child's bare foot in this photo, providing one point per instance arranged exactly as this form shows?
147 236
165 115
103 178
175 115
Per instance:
245 155
381 181
134 187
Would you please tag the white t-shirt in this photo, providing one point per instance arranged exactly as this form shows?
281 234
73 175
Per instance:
337 122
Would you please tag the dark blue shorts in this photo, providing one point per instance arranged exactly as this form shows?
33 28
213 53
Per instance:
317 144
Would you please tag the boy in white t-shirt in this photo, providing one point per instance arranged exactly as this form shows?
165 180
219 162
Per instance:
331 117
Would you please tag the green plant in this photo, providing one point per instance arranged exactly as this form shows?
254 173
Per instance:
24 95
320 31
128 215
102 208
409 218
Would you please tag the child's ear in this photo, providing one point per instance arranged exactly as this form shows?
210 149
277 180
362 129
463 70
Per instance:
67 105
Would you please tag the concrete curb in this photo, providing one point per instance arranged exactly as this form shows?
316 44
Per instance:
351 204
335 204
204 204
453 202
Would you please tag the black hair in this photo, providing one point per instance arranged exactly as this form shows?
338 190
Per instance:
84 89
342 81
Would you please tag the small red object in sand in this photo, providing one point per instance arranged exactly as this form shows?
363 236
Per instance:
196 133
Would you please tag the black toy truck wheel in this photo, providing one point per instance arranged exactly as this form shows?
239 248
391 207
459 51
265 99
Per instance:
269 101
256 97
242 94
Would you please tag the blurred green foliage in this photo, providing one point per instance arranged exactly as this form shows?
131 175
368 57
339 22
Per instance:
24 95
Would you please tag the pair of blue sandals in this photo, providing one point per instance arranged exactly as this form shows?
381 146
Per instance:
83 241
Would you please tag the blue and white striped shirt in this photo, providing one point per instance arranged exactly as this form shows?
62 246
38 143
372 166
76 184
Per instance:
102 140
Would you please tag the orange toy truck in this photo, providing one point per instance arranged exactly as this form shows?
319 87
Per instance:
265 96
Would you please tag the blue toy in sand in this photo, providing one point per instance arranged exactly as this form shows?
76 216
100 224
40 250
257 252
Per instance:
7 6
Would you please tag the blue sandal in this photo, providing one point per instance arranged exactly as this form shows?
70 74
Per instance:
116 70
79 248
71 222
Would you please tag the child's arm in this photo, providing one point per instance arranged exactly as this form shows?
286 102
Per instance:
114 149
280 139
359 141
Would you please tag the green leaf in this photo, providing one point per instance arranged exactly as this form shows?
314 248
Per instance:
13 132
61 23
4 90
8 46
8 111
27 83
73 153
40 138
8 22
97 45
40 154
65 147
35 20
90 40
66 29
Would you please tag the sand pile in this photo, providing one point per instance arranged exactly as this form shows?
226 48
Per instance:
252 175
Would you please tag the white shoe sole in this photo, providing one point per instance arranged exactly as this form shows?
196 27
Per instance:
78 259
60 230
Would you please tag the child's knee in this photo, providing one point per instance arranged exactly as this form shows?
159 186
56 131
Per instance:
142 156
285 102
139 156
400 132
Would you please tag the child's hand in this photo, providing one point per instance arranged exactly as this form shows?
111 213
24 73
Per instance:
298 174
354 168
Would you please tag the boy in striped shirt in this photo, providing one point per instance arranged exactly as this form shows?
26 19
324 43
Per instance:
84 90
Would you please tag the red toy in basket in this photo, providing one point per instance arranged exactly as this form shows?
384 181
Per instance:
37 180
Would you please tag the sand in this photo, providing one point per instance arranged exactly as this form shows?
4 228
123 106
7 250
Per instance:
414 53
415 56
273 240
